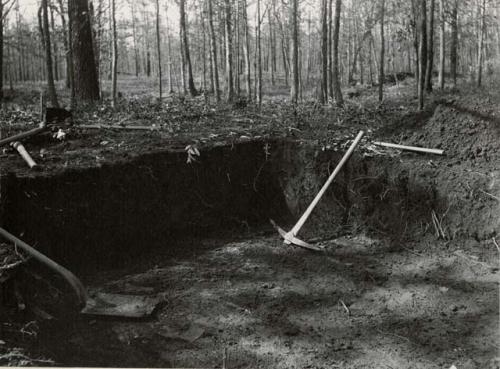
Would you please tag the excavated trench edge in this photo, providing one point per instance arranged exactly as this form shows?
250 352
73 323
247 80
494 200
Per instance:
102 215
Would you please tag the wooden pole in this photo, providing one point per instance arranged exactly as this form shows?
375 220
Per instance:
320 194
410 148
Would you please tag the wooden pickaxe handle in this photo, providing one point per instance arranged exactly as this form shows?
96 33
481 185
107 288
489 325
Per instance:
320 194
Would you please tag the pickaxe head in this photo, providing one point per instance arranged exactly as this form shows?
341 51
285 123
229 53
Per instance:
290 238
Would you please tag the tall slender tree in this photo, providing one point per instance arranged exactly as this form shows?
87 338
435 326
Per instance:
294 91
430 49
480 46
5 6
185 48
454 42
382 53
246 51
158 48
48 56
324 52
114 54
423 53
258 57
213 51
339 101
442 23
229 52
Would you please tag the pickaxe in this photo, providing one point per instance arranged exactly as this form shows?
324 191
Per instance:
291 237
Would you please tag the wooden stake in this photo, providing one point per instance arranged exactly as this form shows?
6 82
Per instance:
410 148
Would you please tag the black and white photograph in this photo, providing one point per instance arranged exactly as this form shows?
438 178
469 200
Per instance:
261 184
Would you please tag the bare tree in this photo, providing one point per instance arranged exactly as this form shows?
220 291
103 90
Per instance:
229 52
85 83
48 56
294 91
5 7
423 53
134 36
324 52
382 52
258 56
213 51
339 101
114 53
442 56
454 42
430 49
246 51
480 46
185 48
158 48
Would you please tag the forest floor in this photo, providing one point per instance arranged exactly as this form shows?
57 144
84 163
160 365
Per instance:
239 302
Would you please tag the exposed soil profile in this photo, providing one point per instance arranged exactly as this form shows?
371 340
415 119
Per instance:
407 276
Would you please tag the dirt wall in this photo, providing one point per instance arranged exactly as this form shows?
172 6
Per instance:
112 212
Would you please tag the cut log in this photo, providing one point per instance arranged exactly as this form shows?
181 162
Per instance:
20 136
24 154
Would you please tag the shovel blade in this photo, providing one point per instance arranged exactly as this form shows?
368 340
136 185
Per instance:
126 306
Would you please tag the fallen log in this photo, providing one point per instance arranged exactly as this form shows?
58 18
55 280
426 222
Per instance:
103 126
410 148
22 135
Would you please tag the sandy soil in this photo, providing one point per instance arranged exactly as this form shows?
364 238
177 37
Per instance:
260 304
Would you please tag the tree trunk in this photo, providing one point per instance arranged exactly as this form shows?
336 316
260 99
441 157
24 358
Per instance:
54 46
213 50
382 52
187 57
423 53
1 48
229 52
294 91
114 56
169 49
48 56
237 49
246 51
324 52
454 43
272 47
158 48
134 38
480 47
339 101
430 49
442 20
258 89
85 83
66 44
330 56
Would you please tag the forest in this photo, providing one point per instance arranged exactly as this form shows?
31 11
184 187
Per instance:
250 183
235 49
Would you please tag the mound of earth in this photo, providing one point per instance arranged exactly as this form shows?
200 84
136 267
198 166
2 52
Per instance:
464 130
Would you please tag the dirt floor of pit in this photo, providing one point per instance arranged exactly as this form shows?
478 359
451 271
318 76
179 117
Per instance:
259 304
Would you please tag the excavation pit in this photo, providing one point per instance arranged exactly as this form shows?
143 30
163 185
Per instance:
386 288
